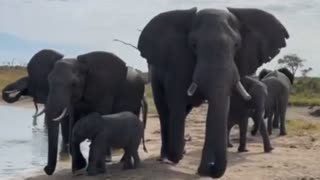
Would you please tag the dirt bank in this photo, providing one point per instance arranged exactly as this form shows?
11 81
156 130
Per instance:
294 157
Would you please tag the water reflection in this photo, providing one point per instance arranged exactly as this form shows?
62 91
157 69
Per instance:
22 145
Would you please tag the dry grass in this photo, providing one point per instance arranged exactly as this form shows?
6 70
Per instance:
303 127
10 75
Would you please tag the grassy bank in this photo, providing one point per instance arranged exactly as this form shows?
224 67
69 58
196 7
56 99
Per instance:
8 75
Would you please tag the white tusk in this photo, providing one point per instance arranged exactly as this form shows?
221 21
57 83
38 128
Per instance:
39 114
61 115
11 91
243 92
192 89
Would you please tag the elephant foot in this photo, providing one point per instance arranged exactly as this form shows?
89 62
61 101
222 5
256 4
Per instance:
49 170
268 149
210 170
109 159
283 133
254 132
175 157
241 150
78 165
92 172
127 165
230 145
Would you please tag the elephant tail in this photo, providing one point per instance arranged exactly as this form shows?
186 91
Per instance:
144 106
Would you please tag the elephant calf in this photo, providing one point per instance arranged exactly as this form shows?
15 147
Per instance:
120 130
241 110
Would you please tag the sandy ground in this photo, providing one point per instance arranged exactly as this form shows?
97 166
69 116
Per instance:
294 157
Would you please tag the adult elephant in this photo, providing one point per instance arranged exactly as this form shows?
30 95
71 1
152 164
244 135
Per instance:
93 82
279 83
35 84
241 110
207 51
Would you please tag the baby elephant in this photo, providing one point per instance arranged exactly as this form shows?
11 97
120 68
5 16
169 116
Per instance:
120 130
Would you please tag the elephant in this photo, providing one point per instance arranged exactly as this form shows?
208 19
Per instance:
35 84
97 81
241 110
119 130
279 84
201 55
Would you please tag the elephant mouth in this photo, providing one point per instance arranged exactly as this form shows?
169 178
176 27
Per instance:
12 93
62 115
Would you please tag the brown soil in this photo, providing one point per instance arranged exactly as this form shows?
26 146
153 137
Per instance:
294 157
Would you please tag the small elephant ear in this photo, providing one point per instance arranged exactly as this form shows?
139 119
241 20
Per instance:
288 73
262 37
263 73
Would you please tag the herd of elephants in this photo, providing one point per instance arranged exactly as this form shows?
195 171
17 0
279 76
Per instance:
193 56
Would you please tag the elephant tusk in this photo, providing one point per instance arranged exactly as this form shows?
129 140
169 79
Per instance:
11 91
39 114
243 92
192 89
61 115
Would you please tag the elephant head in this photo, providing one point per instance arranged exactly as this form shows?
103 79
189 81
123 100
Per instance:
12 92
216 47
87 83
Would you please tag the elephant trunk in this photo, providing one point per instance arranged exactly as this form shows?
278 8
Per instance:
53 131
11 97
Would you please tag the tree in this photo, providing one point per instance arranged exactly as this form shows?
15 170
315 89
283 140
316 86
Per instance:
304 72
292 62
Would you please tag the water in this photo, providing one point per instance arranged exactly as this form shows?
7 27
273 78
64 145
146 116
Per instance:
22 145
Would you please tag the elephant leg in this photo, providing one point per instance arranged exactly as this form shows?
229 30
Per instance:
275 122
263 131
136 159
243 126
162 109
94 157
109 156
230 125
176 124
127 164
65 135
269 116
282 116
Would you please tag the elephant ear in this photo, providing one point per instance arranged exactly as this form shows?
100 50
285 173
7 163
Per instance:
288 73
39 67
104 74
166 35
263 73
262 37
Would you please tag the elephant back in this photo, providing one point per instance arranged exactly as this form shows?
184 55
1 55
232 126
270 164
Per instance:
38 69
105 73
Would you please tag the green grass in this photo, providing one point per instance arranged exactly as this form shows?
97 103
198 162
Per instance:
9 75
302 127
298 100
148 94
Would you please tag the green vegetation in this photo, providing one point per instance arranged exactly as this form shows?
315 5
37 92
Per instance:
306 92
301 127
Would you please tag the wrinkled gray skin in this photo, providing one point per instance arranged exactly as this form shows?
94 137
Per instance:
93 82
204 53
279 85
121 130
241 110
